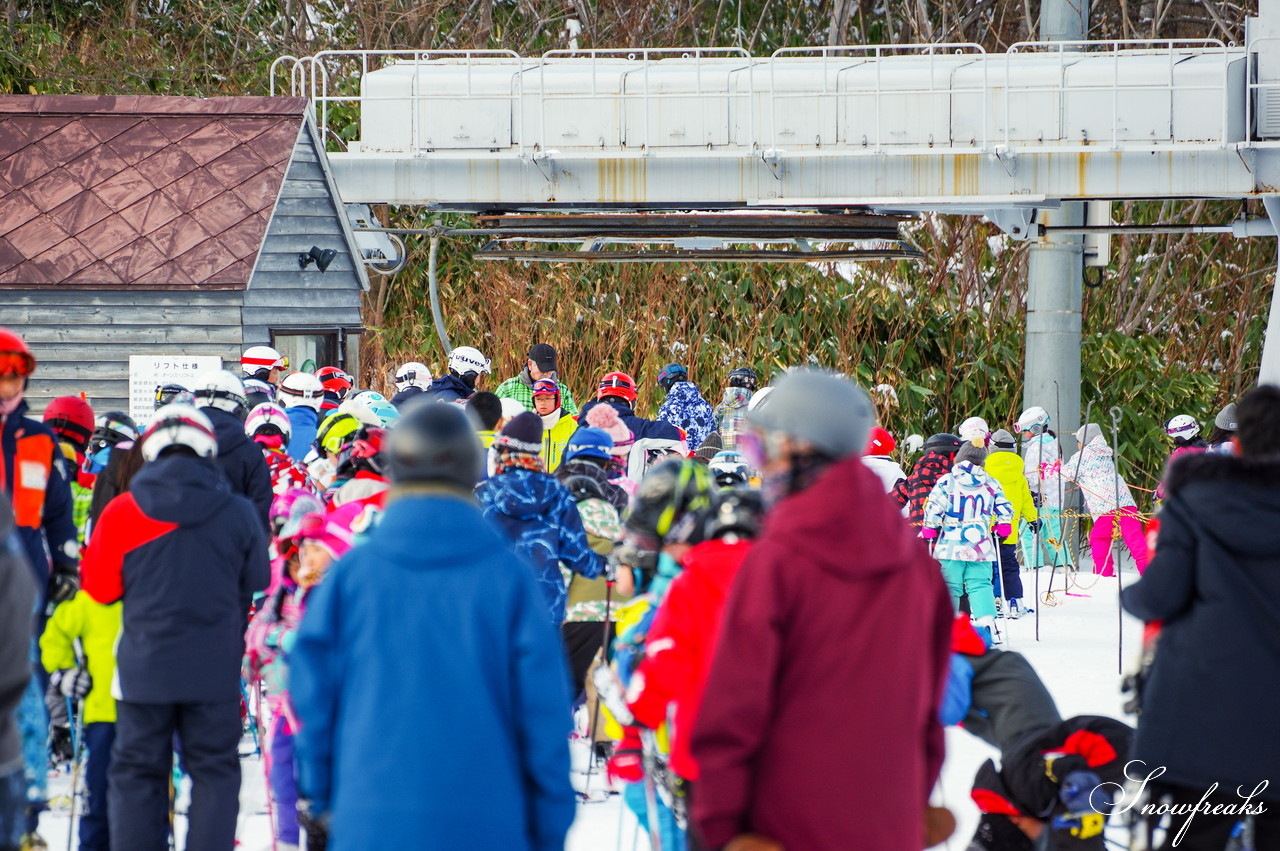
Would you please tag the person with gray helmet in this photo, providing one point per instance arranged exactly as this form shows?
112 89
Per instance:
467 614
1042 466
837 600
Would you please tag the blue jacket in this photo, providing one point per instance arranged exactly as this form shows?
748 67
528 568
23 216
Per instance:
306 423
242 462
454 638
447 388
186 555
685 408
640 427
540 516
33 479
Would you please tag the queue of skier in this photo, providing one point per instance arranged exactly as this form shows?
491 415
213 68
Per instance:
684 582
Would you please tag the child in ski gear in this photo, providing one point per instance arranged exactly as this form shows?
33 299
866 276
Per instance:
762 711
913 491
220 397
878 456
411 380
1214 584
1107 498
360 469
540 366
961 510
269 426
507 679
1042 466
309 543
466 365
86 676
684 406
1184 430
336 384
301 395
71 420
1004 465
618 391
536 512
557 425
605 418
182 639
975 430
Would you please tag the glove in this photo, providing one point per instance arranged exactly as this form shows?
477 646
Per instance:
74 683
1003 530
64 582
1079 793
627 763
1035 525
315 824
610 568
928 533
60 745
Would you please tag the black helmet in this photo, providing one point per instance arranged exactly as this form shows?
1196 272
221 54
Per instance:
737 512
942 443
744 376
670 506
173 394
111 428
434 443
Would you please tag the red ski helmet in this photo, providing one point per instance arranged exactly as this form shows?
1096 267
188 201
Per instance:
71 418
880 442
617 384
15 356
334 380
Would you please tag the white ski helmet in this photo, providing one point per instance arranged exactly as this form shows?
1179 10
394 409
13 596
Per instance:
179 425
262 357
301 388
465 359
414 374
268 414
221 389
974 429
1182 426
511 407
1034 419
758 398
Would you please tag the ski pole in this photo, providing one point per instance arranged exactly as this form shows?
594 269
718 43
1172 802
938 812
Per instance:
1115 539
1039 552
77 739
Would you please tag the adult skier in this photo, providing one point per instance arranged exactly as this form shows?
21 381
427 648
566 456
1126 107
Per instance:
301 395
1107 498
220 396
810 663
540 366
618 391
508 678
732 410
263 363
411 380
878 456
1042 466
466 365
913 491
1184 431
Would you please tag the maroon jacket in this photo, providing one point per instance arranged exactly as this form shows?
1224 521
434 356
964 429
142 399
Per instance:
819 727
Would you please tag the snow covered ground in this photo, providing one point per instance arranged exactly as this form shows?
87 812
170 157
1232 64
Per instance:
1076 656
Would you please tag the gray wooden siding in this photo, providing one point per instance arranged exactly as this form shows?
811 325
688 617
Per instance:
280 294
82 339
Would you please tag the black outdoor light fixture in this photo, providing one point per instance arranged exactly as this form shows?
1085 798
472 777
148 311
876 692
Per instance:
322 257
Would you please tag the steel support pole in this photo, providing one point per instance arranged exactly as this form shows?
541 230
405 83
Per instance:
1269 373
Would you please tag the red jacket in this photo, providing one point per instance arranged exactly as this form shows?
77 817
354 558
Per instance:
680 644
819 727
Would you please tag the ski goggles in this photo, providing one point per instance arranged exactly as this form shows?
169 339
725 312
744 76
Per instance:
16 363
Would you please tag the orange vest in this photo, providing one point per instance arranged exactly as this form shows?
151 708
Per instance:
27 476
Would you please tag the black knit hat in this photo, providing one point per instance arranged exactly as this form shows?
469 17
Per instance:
522 433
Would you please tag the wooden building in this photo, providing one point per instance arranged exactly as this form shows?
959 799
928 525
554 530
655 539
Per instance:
169 226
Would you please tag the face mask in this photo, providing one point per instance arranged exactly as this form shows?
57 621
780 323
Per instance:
270 441
97 462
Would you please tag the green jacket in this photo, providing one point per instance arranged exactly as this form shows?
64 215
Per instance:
520 388
1006 468
97 627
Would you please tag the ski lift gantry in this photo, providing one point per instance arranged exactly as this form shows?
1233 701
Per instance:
639 146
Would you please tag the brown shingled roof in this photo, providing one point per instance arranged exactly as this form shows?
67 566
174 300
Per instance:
139 191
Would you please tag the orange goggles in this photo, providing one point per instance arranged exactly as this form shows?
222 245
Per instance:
16 363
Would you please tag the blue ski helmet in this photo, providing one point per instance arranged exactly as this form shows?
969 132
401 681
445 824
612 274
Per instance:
588 442
671 373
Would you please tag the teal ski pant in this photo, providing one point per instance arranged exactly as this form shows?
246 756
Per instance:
973 577
1050 541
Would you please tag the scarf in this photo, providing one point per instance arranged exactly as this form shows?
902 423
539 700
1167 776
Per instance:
517 461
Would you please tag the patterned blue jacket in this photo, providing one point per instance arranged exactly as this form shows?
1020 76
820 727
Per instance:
540 516
685 408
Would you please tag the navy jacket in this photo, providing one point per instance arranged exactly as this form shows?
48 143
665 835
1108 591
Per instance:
454 636
242 461
541 517
186 555
447 388
1215 583
639 426
408 394
41 495
17 598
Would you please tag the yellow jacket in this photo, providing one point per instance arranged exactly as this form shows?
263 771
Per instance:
97 627
555 438
1006 468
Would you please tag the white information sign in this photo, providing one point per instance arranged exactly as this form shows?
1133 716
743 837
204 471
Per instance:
146 372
